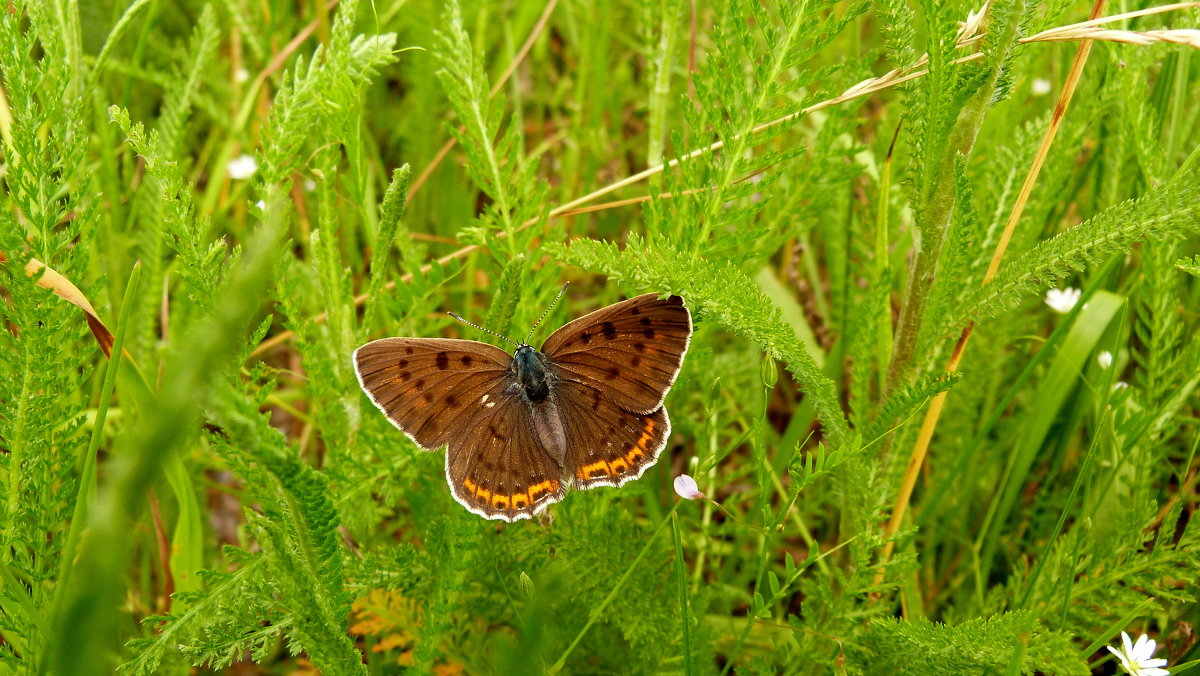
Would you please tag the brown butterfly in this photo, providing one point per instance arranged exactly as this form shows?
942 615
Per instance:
585 411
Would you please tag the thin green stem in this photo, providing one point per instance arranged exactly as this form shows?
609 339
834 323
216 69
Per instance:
85 493
599 610
685 613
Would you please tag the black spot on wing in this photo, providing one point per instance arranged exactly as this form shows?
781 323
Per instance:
443 361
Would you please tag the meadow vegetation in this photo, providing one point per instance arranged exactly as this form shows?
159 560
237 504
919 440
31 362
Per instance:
914 464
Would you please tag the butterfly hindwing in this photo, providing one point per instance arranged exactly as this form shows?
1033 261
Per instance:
606 444
631 351
497 469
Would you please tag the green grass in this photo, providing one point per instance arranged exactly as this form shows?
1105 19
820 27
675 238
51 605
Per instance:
225 494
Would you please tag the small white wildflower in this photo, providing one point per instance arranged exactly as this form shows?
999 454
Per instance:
242 167
1138 658
1120 385
241 75
309 185
1040 87
686 487
1105 359
1062 300
262 206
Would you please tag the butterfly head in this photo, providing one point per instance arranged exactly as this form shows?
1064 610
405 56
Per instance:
529 367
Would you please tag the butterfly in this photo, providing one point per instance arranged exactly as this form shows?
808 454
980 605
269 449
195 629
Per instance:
520 429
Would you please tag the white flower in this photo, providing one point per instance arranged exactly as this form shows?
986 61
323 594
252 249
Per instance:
1120 385
1138 658
242 167
262 206
686 487
241 75
1105 359
309 185
1041 86
1062 300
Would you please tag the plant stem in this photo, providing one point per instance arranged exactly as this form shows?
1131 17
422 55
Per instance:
598 610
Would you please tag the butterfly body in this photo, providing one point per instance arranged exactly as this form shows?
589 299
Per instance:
529 366
584 411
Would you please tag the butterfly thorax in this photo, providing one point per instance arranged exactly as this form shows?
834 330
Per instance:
534 379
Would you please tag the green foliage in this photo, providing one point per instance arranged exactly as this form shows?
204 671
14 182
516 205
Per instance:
224 498
496 159
1162 213
900 647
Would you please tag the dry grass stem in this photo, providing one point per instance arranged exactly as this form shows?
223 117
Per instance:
1181 36
933 414
1100 21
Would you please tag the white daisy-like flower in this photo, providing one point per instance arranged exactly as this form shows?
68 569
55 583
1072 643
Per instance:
1040 87
242 167
1062 300
1138 658
1105 359
686 487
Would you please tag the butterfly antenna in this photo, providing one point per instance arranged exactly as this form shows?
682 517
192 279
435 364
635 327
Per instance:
539 321
505 339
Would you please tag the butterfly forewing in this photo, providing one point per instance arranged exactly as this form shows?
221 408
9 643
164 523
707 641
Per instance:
457 393
632 350
606 444
426 386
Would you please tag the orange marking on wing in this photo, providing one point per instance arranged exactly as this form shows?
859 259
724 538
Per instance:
470 486
647 436
546 486
634 454
619 466
500 501
483 495
594 470
520 501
